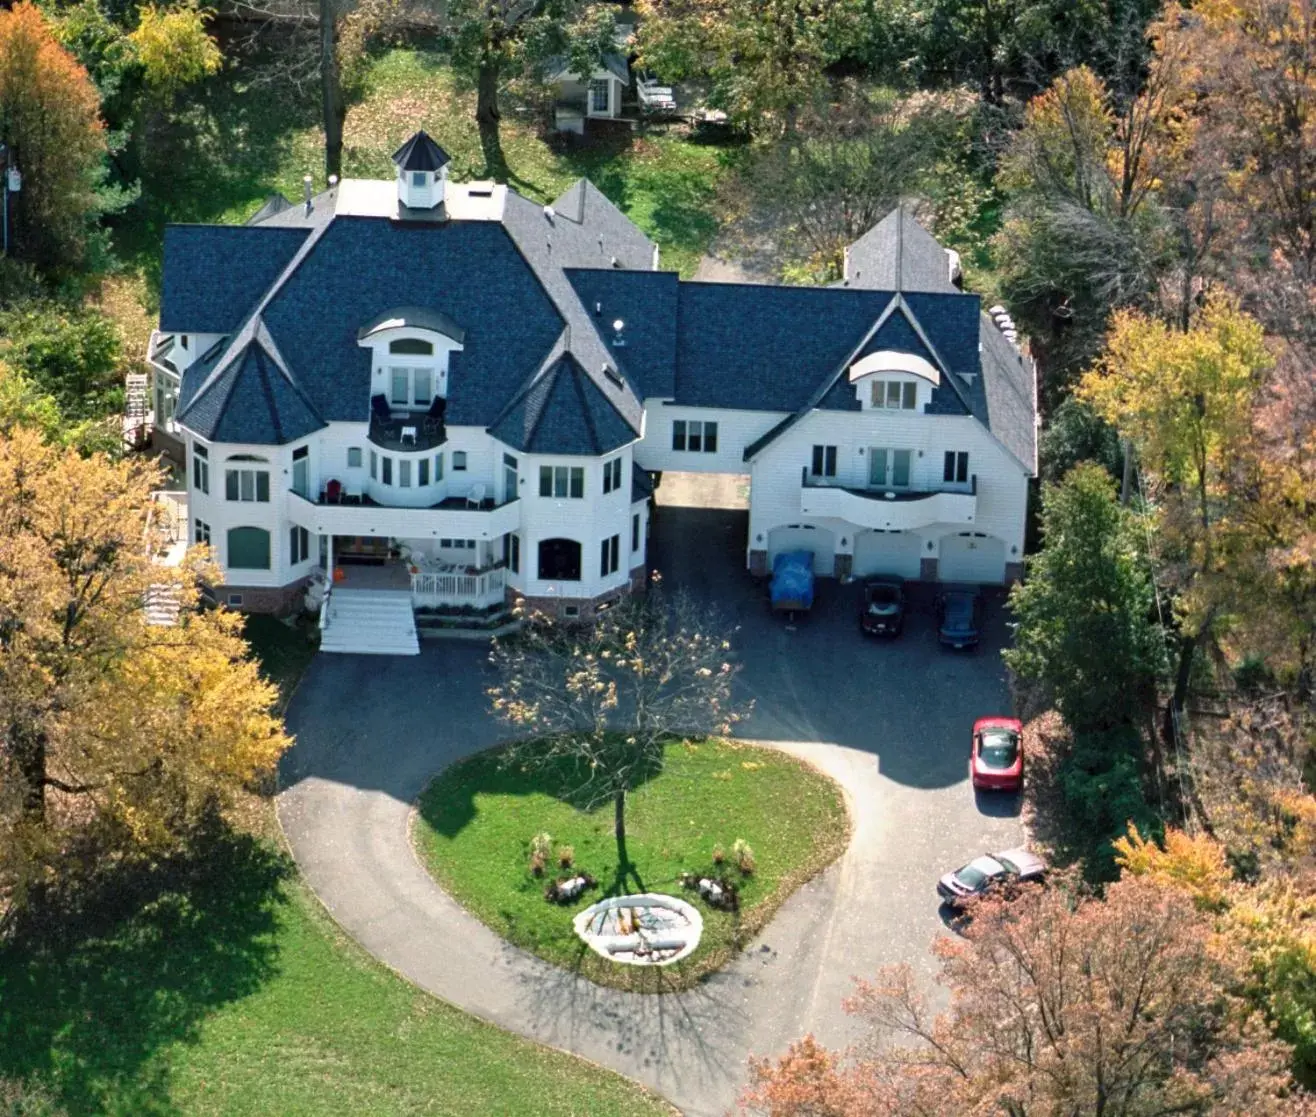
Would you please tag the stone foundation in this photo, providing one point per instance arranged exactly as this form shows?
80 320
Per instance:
927 570
758 563
1014 572
279 600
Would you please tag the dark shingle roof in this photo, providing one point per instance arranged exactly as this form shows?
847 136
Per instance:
563 412
420 153
251 401
898 254
646 303
215 274
468 270
419 317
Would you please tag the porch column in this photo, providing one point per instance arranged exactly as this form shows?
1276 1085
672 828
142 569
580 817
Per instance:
329 569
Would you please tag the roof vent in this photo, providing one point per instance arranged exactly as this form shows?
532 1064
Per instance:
306 185
550 213
333 181
613 375
618 336
615 262
480 190
598 309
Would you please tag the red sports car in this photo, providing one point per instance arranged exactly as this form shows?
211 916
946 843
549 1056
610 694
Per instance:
997 760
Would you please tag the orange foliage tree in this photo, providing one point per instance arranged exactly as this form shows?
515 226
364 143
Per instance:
1059 1004
50 119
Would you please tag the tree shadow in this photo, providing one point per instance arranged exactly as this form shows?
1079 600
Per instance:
102 973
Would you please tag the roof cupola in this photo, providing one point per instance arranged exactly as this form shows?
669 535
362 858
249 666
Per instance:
422 172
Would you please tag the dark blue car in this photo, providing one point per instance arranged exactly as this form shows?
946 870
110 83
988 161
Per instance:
959 616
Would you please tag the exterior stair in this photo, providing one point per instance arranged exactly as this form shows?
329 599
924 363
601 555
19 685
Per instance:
370 622
162 605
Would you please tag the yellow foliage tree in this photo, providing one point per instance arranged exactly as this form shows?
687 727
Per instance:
1194 863
1185 399
173 47
109 723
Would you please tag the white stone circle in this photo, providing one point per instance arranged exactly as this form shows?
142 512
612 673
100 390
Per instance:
647 929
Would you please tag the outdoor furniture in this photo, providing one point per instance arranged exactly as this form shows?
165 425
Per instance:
408 433
379 408
475 498
333 492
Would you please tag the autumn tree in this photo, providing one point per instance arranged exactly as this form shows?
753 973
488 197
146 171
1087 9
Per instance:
600 701
1087 230
1084 614
1059 1003
1185 400
765 59
1270 922
49 118
113 726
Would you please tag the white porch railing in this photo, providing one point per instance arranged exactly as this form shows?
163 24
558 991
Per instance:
434 588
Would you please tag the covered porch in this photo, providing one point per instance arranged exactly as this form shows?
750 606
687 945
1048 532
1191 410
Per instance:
437 573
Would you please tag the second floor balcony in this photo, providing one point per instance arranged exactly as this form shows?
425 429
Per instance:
402 431
888 508
474 516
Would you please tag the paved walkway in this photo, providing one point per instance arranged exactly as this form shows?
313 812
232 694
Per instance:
888 721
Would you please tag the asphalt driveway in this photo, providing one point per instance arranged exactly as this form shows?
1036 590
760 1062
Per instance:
889 721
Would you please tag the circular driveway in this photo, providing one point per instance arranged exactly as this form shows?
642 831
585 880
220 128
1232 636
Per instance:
889 722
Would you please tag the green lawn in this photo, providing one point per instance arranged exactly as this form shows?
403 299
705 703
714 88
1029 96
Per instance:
214 984
237 139
477 819
285 651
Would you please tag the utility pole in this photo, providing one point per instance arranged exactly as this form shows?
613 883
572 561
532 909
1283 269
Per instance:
11 182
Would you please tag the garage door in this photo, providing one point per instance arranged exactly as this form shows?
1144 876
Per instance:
887 552
972 558
802 537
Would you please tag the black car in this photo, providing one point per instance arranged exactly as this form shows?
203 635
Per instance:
883 612
959 616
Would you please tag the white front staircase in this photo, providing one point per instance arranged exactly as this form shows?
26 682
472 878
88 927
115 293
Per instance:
370 622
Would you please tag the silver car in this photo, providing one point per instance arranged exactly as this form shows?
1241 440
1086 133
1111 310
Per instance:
982 873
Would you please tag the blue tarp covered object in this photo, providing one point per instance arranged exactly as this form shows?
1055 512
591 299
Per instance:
792 580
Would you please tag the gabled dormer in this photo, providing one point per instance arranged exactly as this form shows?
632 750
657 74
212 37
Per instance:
411 348
422 169
892 381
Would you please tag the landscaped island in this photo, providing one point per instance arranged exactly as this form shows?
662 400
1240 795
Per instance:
479 823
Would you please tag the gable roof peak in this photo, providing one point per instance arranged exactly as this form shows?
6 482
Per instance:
420 153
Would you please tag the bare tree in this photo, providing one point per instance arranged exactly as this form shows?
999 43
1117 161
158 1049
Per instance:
601 701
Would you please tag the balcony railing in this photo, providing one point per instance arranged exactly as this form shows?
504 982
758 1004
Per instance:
479 588
412 432
456 517
885 508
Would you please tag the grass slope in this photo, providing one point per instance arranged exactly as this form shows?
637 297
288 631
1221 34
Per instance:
240 138
215 984
476 821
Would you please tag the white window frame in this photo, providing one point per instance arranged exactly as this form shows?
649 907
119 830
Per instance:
200 469
894 394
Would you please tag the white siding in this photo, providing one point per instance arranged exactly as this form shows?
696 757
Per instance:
1002 486
735 431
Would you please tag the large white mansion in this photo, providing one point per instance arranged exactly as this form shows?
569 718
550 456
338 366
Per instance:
470 390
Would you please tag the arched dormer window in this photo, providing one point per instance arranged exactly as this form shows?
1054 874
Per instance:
411 346
894 381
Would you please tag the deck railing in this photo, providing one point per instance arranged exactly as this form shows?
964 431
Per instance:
434 588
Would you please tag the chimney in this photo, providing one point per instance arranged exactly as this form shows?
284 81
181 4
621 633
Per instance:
306 184
618 337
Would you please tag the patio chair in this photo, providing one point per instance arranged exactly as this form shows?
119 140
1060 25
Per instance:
379 408
333 492
475 498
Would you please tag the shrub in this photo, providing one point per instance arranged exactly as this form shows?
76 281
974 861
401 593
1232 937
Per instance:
537 863
719 854
743 852
1103 795
541 845
566 855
